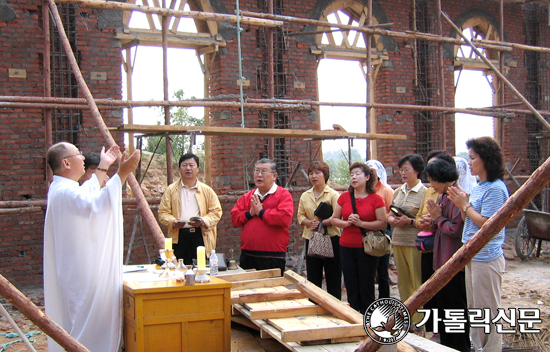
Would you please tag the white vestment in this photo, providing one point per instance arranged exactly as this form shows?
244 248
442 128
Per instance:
83 245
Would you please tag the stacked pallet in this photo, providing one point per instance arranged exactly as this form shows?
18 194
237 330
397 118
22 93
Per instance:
302 316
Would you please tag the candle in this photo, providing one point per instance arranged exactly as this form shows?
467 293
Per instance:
201 257
167 243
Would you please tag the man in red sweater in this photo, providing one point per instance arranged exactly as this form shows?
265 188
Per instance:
265 215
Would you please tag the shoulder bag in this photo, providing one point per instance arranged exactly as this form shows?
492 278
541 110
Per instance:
424 241
375 243
320 244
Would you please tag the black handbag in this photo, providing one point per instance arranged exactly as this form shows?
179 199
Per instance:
323 211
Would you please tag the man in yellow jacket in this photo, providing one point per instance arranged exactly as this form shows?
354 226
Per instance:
191 210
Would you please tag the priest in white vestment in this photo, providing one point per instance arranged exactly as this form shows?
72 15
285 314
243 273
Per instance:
83 248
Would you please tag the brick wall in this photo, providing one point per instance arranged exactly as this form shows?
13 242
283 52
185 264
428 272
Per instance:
22 142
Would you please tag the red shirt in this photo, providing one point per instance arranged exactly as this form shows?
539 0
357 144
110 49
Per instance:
366 207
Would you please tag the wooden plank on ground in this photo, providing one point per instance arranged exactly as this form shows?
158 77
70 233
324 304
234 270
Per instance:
321 297
286 312
251 296
310 334
269 282
250 275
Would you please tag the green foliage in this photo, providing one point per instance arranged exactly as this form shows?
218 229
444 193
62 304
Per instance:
339 167
180 143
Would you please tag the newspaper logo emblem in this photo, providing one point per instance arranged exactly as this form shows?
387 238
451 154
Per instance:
387 321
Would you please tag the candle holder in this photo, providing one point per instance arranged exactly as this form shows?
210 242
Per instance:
201 275
168 254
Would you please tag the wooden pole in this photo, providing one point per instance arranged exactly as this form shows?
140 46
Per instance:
198 15
147 214
441 69
35 314
169 163
299 105
270 84
464 255
371 112
46 72
491 45
129 68
543 122
499 124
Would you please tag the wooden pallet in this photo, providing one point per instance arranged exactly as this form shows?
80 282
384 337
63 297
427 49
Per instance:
302 316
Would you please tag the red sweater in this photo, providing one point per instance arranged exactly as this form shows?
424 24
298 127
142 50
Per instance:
269 231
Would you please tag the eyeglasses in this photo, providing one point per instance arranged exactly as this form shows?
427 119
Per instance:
262 172
70 156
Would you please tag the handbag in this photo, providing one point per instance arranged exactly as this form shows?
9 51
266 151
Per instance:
320 244
424 241
323 211
375 243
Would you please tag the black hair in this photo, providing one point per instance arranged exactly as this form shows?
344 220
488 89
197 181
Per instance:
188 156
416 162
440 154
441 171
91 159
369 187
491 155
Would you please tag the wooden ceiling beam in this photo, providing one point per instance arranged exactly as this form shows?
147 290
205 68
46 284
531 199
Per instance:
255 132
179 40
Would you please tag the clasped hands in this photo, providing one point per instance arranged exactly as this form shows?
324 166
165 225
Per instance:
255 205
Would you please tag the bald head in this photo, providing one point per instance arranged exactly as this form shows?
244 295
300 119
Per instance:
55 155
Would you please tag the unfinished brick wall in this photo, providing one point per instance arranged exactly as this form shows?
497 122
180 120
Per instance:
22 131
22 142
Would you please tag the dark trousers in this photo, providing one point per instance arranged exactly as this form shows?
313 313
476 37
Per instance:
427 261
358 268
331 266
188 241
453 296
382 271
262 260
383 276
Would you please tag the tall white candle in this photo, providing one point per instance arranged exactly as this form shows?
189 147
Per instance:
167 243
201 257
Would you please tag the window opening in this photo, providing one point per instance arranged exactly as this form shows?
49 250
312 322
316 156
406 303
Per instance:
66 123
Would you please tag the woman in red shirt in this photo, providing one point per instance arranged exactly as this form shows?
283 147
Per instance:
358 267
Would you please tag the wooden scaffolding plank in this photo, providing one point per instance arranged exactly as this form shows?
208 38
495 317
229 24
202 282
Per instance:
286 312
250 275
270 282
319 333
249 297
256 132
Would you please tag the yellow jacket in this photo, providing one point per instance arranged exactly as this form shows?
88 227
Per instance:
209 207
307 207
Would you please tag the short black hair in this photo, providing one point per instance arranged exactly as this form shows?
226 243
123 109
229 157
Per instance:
491 155
440 154
416 162
91 159
442 171
189 156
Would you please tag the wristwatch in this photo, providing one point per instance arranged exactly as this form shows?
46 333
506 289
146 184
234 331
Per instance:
466 208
